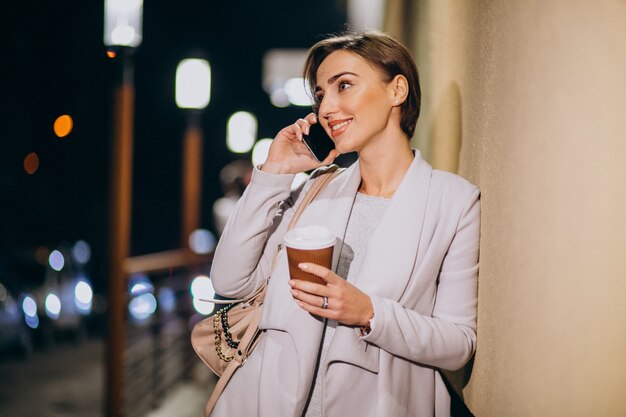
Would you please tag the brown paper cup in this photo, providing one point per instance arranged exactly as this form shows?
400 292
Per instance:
312 244
323 257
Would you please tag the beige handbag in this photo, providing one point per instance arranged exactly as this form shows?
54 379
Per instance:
225 340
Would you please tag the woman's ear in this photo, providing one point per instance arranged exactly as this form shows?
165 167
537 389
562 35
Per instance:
399 89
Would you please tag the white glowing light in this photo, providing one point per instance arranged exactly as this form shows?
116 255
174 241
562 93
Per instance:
201 241
297 92
83 297
193 84
123 22
202 287
123 35
143 306
53 306
300 179
203 307
260 151
140 284
241 132
56 260
83 292
81 252
29 306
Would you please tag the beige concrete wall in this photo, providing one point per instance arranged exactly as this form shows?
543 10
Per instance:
528 100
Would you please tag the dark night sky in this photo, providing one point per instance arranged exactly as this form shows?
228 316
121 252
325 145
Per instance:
54 62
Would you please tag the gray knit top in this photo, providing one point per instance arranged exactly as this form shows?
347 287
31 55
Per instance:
366 212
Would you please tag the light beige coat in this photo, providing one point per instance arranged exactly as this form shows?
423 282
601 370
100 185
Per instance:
420 271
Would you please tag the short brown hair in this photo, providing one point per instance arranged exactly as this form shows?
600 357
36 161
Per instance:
385 53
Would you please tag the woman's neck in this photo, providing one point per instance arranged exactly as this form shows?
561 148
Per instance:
383 169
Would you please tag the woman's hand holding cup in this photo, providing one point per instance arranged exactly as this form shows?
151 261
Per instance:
315 287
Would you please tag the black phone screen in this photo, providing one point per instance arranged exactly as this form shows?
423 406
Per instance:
318 142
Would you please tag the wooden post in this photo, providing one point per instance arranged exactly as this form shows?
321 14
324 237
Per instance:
191 179
119 239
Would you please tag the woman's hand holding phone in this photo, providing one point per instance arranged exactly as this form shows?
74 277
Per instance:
289 154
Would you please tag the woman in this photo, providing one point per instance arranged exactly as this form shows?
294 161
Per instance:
400 300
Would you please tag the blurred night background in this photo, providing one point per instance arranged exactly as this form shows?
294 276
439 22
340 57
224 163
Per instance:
100 282
55 221
55 63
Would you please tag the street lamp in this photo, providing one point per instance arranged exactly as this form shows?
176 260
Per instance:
122 22
122 31
193 84
193 93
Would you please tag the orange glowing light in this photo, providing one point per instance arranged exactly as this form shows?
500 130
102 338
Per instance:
31 163
63 125
111 54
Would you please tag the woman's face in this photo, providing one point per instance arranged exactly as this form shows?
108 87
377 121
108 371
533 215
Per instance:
354 100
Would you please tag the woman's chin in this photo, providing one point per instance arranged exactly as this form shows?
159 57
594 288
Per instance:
343 146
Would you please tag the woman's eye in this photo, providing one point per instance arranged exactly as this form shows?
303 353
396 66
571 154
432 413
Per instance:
343 85
318 98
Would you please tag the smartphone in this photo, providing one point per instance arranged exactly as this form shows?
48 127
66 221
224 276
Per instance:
318 142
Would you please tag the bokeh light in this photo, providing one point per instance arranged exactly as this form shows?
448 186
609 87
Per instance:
202 288
297 93
81 252
32 321
167 299
56 260
29 306
241 132
279 98
203 307
53 306
202 241
63 125
140 284
193 84
31 163
111 54
83 296
142 307
260 151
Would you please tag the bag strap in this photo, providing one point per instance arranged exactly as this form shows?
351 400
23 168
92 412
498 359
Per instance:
238 360
318 185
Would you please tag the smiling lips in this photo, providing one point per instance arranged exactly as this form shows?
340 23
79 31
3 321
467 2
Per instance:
337 127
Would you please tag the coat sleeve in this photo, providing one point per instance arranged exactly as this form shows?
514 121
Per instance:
447 339
243 257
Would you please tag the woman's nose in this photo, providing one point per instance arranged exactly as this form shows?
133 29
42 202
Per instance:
327 107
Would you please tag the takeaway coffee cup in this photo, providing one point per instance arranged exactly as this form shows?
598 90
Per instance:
309 244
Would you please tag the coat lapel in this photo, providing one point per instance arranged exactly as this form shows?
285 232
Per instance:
393 246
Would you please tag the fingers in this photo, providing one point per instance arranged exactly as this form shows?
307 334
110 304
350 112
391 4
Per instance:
312 299
326 274
318 310
302 126
311 118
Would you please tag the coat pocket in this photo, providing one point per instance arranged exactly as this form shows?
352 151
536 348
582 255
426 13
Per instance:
347 347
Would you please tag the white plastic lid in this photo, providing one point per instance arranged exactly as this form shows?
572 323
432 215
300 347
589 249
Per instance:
310 237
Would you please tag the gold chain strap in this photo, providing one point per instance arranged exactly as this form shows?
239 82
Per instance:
218 337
